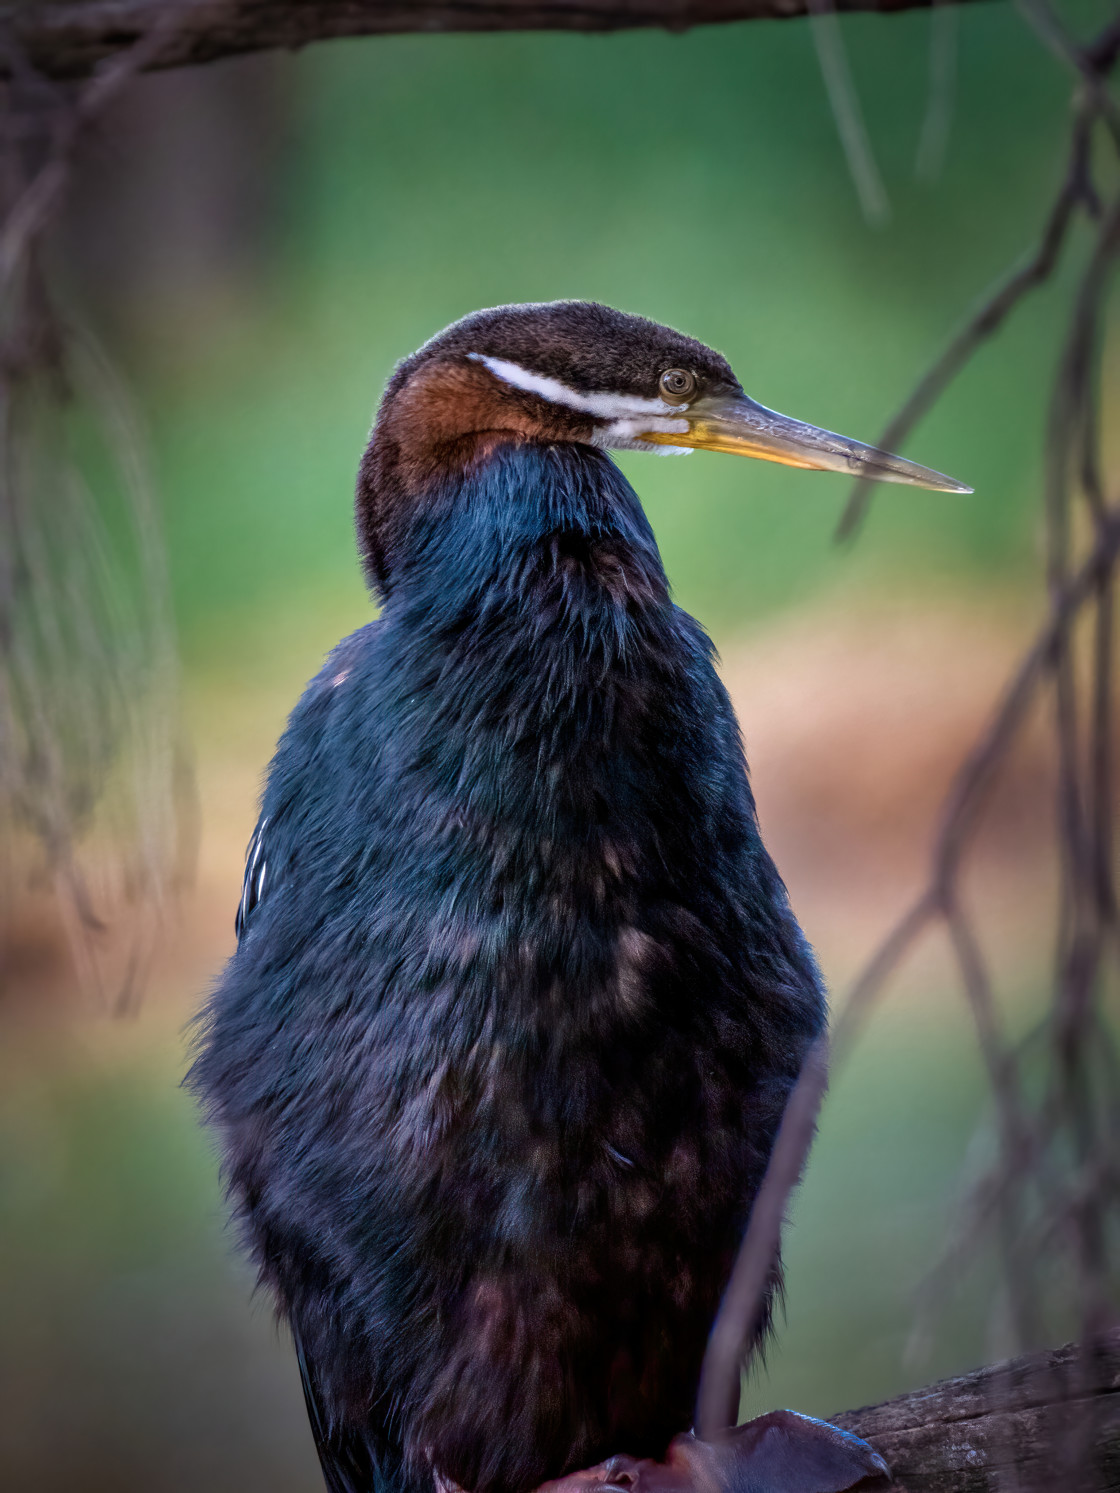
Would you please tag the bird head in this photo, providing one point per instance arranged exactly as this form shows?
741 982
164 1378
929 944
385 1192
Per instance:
579 372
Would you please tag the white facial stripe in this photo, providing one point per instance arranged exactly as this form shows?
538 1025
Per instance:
606 406
620 431
626 435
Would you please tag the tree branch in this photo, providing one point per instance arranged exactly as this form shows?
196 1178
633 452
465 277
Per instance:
1017 1424
68 38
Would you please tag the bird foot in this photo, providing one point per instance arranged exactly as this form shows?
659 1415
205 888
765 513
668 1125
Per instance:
782 1452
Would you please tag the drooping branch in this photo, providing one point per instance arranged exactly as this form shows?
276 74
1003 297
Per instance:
68 38
94 793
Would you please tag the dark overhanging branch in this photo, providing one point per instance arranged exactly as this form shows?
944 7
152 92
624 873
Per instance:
69 38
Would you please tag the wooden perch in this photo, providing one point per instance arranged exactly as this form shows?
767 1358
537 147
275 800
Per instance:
1020 1424
68 38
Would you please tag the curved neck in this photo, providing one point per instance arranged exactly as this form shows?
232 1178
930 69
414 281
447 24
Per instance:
528 521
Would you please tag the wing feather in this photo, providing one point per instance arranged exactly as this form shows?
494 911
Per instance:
344 1456
252 886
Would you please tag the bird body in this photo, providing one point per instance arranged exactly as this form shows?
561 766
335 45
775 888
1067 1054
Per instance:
518 998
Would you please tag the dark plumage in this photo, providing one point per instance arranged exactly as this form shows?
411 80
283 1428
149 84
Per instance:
518 998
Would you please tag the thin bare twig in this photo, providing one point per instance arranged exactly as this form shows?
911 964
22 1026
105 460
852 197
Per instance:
987 319
1085 64
717 1404
974 778
933 141
31 214
836 71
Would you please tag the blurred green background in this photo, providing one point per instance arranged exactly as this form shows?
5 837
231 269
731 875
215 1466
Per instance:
697 179
260 241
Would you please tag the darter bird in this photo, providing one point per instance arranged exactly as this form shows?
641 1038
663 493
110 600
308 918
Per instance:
518 996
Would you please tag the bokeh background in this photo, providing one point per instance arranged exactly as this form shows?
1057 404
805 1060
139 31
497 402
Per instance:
258 242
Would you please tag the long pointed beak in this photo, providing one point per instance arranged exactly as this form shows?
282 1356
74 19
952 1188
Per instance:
734 423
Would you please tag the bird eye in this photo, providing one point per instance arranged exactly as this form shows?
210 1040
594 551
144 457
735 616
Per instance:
677 385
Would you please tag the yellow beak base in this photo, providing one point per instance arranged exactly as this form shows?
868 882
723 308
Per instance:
740 427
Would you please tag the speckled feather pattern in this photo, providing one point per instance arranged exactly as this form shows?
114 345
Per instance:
499 1060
